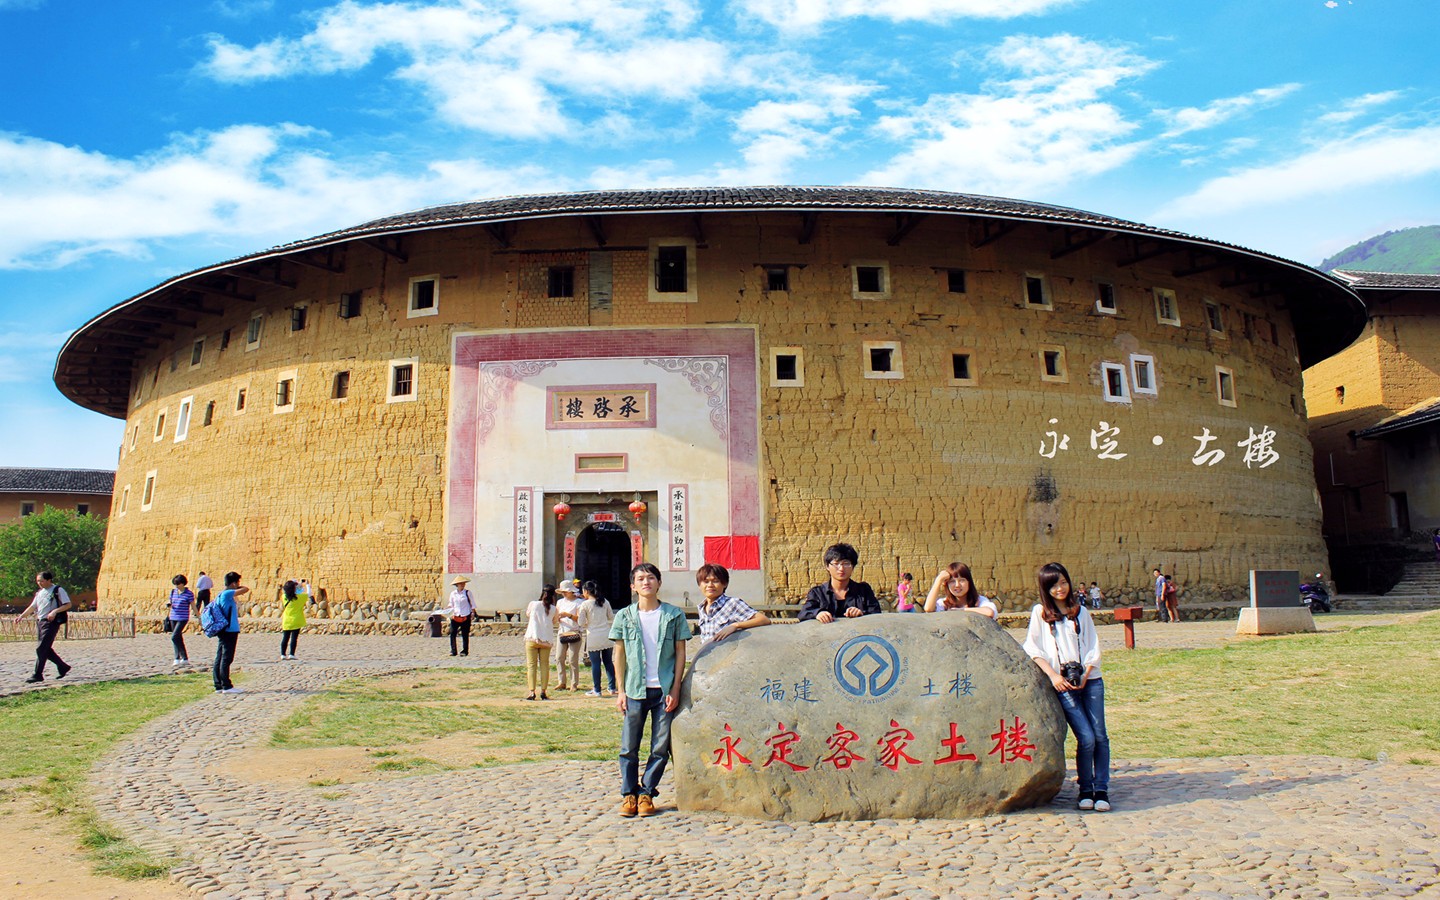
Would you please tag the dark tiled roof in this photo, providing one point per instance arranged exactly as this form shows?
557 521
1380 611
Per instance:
56 481
1389 280
1428 413
89 372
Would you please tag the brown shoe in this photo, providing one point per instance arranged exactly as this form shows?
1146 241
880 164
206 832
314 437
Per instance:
647 806
627 806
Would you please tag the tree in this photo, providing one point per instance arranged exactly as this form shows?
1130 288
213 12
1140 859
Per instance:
55 540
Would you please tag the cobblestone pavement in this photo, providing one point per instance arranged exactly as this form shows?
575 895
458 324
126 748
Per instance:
1229 827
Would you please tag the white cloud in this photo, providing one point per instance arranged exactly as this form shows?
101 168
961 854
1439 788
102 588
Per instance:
243 182
515 70
807 14
1218 112
1373 157
1045 126
1356 107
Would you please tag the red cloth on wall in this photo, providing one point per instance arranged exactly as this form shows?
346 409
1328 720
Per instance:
736 552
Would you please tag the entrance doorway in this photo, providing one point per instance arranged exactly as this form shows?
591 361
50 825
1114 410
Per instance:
602 555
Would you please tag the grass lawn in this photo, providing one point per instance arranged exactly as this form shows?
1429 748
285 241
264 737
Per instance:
1356 693
49 740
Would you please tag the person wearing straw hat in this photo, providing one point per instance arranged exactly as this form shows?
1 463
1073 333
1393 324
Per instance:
462 613
572 638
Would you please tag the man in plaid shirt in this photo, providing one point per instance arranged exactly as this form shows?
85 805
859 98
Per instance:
722 615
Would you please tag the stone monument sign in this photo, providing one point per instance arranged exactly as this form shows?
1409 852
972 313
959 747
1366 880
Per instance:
894 716
1275 606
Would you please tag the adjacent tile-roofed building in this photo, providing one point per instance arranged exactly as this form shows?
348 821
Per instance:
29 490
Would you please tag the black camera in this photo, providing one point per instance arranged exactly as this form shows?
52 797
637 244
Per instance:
1072 672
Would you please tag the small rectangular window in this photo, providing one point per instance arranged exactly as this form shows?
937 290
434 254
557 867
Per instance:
209 413
777 278
671 269
197 351
134 436
561 281
240 400
160 424
869 279
1037 291
1105 298
1052 364
124 499
787 367
252 332
402 381
1113 377
182 419
147 497
424 296
1142 370
27 508
341 389
1214 316
224 339
1166 310
962 368
285 392
350 304
298 314
1225 386
82 509
955 281
882 359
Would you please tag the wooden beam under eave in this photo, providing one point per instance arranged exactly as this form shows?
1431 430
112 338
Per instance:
596 224
1197 267
329 265
991 231
500 233
390 246
161 318
1242 278
196 304
228 291
904 224
1073 245
1138 255
259 275
808 221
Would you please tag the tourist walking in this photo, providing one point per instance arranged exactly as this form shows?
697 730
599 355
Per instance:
572 638
292 618
539 638
1062 641
596 617
462 614
50 606
227 638
182 601
954 588
203 585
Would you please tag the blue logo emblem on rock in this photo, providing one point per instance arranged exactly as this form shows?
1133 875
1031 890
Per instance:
867 666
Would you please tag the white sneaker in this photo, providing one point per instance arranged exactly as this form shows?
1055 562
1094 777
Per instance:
1102 805
1086 804
592 693
177 663
232 691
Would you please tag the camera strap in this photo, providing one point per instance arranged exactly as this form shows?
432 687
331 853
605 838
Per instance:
1055 633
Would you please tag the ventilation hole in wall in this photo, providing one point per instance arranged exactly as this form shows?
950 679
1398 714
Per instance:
1043 490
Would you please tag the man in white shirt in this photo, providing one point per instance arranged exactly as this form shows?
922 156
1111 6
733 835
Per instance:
462 613
203 586
50 605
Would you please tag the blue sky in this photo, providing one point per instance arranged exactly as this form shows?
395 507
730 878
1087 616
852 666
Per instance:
142 139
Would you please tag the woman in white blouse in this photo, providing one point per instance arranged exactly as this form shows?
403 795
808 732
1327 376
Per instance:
539 638
1062 641
595 618
954 588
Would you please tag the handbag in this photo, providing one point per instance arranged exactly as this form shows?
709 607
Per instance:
169 625
570 638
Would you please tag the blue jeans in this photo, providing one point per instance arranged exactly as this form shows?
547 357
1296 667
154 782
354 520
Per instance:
1085 711
631 733
606 658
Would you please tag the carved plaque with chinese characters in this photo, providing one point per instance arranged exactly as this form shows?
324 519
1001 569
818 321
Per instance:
934 716
600 406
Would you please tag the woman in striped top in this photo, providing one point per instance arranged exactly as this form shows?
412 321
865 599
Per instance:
181 601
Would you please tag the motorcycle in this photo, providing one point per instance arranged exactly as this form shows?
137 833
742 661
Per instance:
1314 596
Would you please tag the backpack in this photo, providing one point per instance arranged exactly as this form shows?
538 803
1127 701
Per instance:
60 617
213 620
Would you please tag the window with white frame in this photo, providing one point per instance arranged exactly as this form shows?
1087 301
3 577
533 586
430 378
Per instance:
125 500
673 270
1113 381
134 436
787 367
962 368
1142 374
1215 317
285 391
1225 386
182 419
197 352
1105 298
240 399
27 508
882 359
424 296
252 331
147 497
1037 291
403 380
160 423
870 279
1167 311
1052 364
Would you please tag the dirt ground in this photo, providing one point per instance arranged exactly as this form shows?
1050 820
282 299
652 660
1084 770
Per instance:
42 859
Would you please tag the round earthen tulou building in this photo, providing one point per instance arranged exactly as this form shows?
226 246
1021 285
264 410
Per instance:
530 388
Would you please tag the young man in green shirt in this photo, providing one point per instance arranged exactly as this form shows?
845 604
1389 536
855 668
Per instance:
649 669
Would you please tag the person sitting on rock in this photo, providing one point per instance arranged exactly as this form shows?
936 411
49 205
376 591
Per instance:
954 588
839 597
720 614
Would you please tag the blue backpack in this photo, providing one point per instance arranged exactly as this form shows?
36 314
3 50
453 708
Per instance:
213 620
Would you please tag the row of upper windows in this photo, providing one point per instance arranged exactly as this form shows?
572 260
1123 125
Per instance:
1119 380
402 384
29 508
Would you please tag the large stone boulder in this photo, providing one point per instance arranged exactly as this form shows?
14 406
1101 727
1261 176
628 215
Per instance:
885 716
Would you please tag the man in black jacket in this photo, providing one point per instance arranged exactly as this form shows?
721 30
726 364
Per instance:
839 597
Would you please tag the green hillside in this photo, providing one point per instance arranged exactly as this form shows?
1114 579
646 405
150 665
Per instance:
1414 251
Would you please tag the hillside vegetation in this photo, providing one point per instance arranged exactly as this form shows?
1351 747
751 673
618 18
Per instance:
1414 251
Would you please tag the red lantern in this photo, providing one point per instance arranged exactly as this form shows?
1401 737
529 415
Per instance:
638 508
562 509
